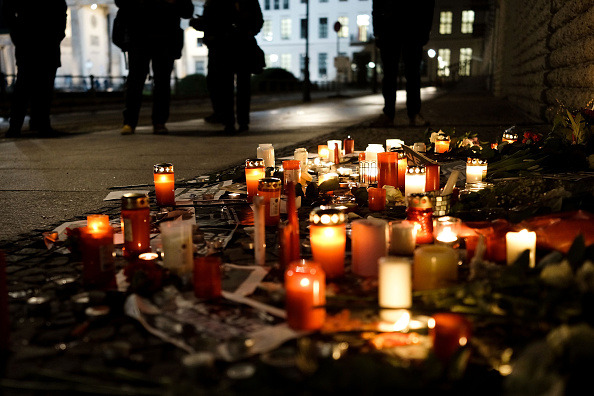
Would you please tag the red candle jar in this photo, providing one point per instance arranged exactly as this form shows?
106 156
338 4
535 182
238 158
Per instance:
449 332
270 189
98 255
420 211
349 145
254 171
432 177
402 166
327 235
136 224
207 277
376 198
305 285
387 163
362 156
292 171
164 184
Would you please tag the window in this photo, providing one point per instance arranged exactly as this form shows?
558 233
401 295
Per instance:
285 29
199 68
285 62
363 27
285 4
445 22
200 41
344 30
467 21
323 29
267 30
443 60
323 64
271 60
266 4
276 4
303 28
465 61
323 1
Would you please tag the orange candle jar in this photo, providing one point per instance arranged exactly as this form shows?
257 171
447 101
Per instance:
96 222
164 184
136 224
323 151
349 145
292 171
327 234
376 198
402 167
432 177
387 163
98 253
270 189
305 285
449 332
442 144
254 171
420 212
207 277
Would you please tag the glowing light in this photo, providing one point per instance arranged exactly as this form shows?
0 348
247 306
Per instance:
431 53
93 6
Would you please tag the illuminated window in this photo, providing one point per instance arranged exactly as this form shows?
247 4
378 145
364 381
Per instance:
344 30
323 64
443 60
467 21
465 61
271 60
363 27
445 22
286 29
267 30
323 28
285 61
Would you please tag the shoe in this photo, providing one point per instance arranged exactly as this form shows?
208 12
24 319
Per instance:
160 129
243 128
418 120
50 133
382 121
127 130
12 133
229 129
213 119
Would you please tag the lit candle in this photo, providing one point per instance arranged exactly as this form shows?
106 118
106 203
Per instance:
136 224
332 149
164 179
270 189
305 286
393 143
509 137
178 248
98 252
300 154
442 144
402 166
449 332
518 242
387 164
328 239
259 231
372 150
394 286
207 277
349 145
414 180
476 170
323 151
403 238
376 198
446 230
266 152
419 147
254 171
368 244
432 180
368 172
96 222
420 212
434 267
292 171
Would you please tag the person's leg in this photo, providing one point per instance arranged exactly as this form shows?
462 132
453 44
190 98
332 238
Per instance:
21 94
390 57
215 117
45 77
243 99
138 68
223 83
162 68
412 71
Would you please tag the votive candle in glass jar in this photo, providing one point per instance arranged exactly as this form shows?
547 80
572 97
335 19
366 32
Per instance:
292 171
327 234
300 154
403 238
349 145
305 286
448 332
207 277
392 144
476 170
270 189
420 212
509 137
442 144
517 242
432 181
164 179
415 180
332 150
446 230
178 246
266 152
254 171
372 150
376 198
98 253
387 164
323 151
369 242
434 267
136 224
368 172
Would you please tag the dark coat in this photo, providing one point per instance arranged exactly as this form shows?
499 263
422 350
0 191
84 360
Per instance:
402 21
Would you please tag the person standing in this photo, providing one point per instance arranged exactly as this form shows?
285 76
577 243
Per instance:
156 40
401 29
36 29
230 27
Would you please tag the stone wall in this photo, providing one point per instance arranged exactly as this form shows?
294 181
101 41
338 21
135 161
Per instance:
545 53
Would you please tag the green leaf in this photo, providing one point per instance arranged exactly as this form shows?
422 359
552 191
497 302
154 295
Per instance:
576 252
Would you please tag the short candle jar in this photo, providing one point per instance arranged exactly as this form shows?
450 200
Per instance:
508 137
305 285
434 267
327 234
254 171
420 212
270 189
442 144
98 252
164 179
476 170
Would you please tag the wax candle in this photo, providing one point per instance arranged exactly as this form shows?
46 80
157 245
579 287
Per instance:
387 169
476 170
254 171
394 144
419 147
369 242
207 277
402 167
368 172
420 212
98 253
442 144
136 224
432 177
448 332
96 222
446 230
518 242
293 221
164 179
323 151
178 248
349 145
305 286
259 231
372 150
266 152
509 137
328 239
415 180
332 149
376 199
394 286
270 189
292 171
434 267
402 238
300 154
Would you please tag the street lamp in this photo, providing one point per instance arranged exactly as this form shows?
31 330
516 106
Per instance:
306 82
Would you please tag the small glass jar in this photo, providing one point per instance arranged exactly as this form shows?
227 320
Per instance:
270 189
476 170
254 171
98 254
266 152
136 224
305 285
300 154
420 211
415 180
509 137
442 144
164 179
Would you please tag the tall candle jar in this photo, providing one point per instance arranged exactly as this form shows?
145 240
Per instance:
376 198
266 152
270 189
292 171
387 169
300 154
420 212
394 286
164 179
178 246
368 172
415 180
402 167
254 171
327 235
334 151
403 238
349 145
369 242
432 177
136 224
323 151
476 170
98 255
305 286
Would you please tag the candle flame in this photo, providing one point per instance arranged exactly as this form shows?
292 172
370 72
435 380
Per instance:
463 341
304 282
447 235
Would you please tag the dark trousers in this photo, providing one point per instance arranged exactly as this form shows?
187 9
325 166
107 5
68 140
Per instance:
411 56
139 61
229 88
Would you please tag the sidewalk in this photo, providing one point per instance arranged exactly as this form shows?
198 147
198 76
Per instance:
46 182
